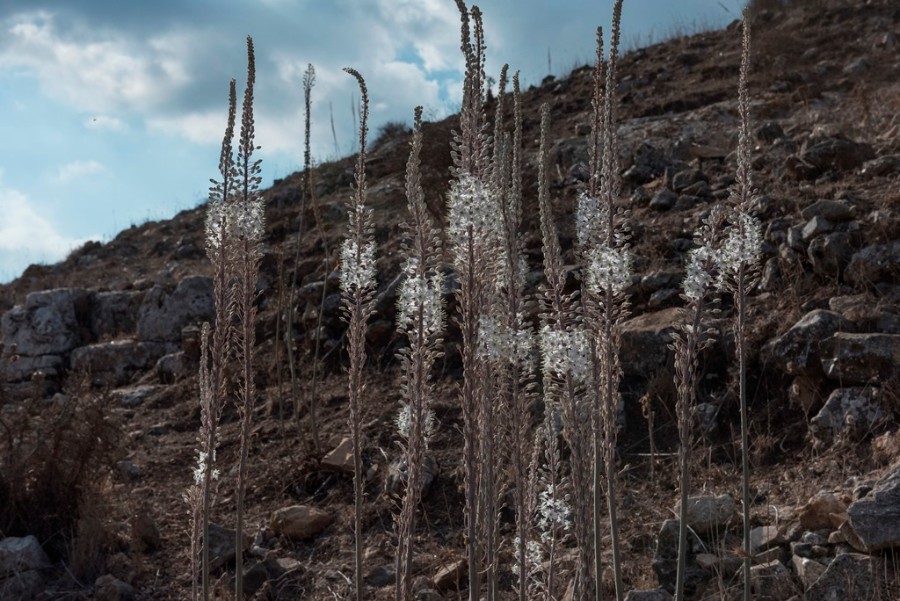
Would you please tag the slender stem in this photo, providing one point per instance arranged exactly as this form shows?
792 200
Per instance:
741 301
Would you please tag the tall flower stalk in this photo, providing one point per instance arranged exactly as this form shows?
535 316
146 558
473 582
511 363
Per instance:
693 336
473 236
249 227
358 287
566 368
214 356
421 319
604 241
739 271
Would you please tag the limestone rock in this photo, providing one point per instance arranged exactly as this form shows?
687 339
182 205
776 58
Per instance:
808 570
340 459
797 351
162 316
848 576
115 363
221 546
19 554
835 153
47 324
114 313
816 513
709 514
861 358
687 178
873 264
816 226
852 411
772 582
450 575
21 562
832 210
110 588
829 254
663 200
763 538
299 522
38 334
875 519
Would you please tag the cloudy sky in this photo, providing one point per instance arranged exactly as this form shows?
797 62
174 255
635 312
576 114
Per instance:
112 111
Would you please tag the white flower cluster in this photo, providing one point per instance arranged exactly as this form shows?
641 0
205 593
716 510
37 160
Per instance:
534 555
609 268
473 211
590 219
200 469
565 352
417 291
553 513
241 220
404 423
743 244
701 273
216 224
499 342
248 219
357 266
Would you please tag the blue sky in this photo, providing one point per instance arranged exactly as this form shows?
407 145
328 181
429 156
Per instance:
112 111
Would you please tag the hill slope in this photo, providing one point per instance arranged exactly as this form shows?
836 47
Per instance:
825 97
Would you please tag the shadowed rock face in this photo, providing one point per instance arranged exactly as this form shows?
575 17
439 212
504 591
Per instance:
849 576
875 519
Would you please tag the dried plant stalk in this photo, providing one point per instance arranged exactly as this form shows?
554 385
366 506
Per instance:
213 384
358 286
689 341
422 320
740 275
249 228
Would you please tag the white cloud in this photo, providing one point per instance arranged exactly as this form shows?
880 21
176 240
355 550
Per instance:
100 74
26 237
77 169
202 128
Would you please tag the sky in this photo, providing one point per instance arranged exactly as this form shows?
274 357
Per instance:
112 111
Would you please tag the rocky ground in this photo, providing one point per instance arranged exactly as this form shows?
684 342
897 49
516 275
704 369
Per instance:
112 331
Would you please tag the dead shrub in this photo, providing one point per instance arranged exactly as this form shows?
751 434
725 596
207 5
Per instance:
54 467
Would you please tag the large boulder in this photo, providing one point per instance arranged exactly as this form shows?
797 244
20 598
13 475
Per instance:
772 581
162 315
852 412
860 358
38 334
835 153
21 563
114 313
875 519
874 264
848 576
709 514
797 351
115 363
299 522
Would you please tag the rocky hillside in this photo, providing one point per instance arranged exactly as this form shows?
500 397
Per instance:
100 351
